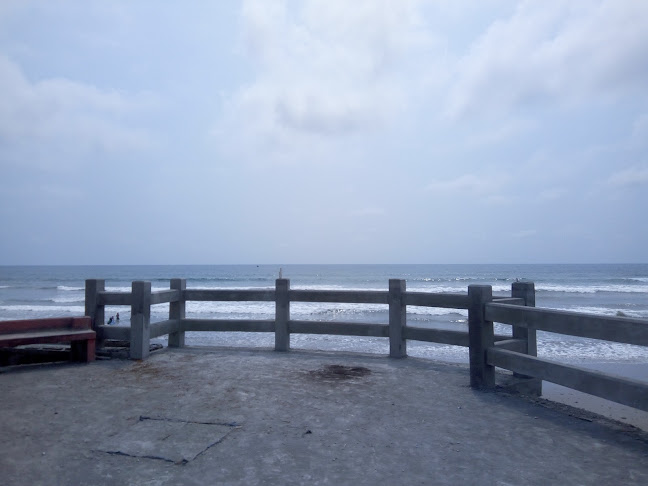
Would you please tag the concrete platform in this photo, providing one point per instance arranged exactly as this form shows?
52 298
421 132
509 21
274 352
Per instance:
224 416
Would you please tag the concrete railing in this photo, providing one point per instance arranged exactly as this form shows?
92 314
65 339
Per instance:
516 352
513 356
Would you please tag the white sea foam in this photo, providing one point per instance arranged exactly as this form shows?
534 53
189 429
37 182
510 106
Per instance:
68 300
589 350
591 289
548 346
44 308
251 308
221 287
69 289
435 311
603 311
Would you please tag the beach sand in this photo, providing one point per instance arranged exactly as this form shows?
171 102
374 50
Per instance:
622 413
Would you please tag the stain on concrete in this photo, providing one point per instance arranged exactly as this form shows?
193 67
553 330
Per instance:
339 372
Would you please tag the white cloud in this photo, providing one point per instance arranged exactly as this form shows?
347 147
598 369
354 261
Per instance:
552 194
66 113
470 184
640 130
634 176
368 212
324 70
524 233
501 132
554 50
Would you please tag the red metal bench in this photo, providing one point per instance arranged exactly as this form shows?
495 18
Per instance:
75 330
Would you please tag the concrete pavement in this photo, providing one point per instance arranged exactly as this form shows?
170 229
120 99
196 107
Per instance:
237 416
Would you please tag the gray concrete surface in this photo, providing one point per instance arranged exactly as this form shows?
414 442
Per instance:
224 416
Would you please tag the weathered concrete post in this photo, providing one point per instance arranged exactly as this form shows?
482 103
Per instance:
526 291
140 320
397 319
282 314
177 311
93 308
481 337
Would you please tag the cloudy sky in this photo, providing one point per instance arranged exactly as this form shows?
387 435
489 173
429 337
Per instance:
323 131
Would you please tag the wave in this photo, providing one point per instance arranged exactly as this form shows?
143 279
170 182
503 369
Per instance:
127 290
78 309
68 300
66 288
603 311
124 289
592 289
567 351
443 279
220 287
417 285
226 279
590 350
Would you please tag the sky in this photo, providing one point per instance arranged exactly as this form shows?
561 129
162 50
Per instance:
323 131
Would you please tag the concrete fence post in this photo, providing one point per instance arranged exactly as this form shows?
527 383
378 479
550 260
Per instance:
140 320
481 337
526 291
93 308
177 311
282 314
397 319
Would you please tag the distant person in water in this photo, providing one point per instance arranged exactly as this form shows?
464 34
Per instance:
110 321
117 317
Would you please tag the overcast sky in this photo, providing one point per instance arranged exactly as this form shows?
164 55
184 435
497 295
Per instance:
324 131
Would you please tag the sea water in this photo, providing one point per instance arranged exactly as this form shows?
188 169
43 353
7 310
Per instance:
603 289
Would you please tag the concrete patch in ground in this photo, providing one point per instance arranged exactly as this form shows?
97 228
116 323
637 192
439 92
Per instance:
167 439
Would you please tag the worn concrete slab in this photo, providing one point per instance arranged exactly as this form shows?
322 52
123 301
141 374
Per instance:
167 439
295 418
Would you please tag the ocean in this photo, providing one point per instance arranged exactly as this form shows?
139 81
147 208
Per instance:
602 289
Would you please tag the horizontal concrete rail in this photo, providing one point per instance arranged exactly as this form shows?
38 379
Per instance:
611 387
442 336
165 327
229 295
618 329
515 352
118 333
165 296
339 296
114 298
227 325
448 301
517 345
508 300
339 328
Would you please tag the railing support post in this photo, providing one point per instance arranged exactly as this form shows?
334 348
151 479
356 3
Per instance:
93 308
397 319
282 314
140 320
177 311
526 291
481 337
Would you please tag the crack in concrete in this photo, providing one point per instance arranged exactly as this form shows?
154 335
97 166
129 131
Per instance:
231 425
212 445
142 418
158 458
